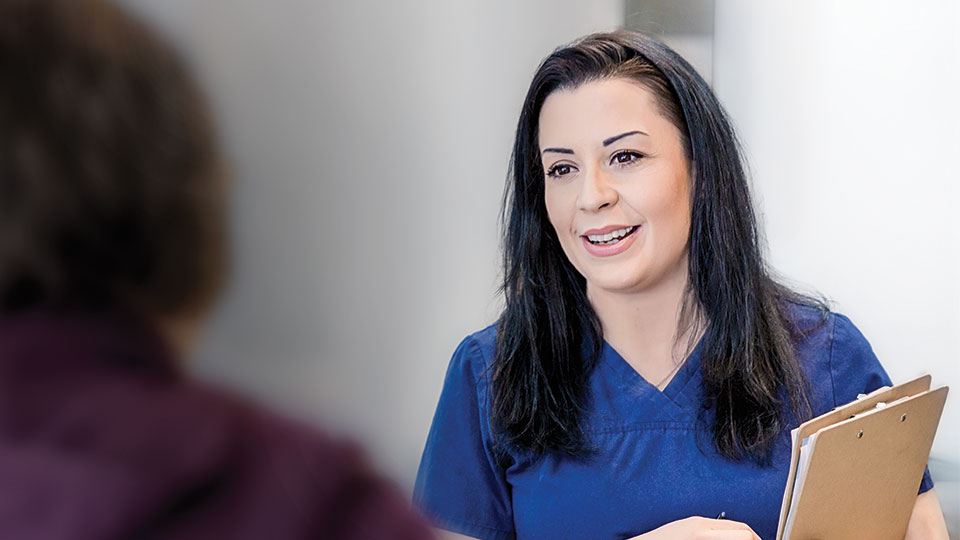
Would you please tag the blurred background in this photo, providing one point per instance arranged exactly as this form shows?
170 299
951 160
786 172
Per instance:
370 143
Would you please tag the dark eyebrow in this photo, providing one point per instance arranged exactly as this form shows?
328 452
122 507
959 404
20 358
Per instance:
606 142
615 138
557 150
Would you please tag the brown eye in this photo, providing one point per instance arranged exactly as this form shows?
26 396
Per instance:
623 158
560 170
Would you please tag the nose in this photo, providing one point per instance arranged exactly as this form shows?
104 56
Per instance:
596 192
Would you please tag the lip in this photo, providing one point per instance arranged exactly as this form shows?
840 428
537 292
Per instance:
605 230
612 249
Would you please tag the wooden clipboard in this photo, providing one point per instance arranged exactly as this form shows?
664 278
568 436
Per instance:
865 465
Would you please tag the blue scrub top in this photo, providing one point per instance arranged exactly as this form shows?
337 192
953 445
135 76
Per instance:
654 462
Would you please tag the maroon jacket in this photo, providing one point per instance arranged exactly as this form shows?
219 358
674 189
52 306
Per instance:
102 437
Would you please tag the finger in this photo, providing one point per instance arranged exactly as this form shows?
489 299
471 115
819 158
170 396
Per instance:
728 525
723 529
731 534
740 530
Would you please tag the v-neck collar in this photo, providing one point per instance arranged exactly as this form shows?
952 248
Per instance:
676 396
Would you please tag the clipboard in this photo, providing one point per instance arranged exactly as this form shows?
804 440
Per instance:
860 465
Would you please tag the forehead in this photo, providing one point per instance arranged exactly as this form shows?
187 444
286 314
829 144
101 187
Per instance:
597 110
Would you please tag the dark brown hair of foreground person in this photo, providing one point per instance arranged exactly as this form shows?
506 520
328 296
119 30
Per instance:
110 184
111 226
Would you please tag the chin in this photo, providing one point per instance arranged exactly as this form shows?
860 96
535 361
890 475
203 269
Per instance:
616 283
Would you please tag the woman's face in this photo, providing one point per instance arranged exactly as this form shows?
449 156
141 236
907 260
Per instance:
617 185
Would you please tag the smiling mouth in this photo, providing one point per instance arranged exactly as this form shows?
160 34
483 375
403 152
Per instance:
611 237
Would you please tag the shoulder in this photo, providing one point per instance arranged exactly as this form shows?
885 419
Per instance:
485 341
474 356
148 446
817 330
259 450
463 407
292 478
837 358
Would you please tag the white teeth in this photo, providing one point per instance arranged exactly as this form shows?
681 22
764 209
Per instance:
607 238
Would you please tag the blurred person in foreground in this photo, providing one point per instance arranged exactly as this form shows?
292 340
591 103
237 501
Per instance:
112 251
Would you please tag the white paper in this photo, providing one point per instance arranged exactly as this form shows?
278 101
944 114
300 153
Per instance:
803 464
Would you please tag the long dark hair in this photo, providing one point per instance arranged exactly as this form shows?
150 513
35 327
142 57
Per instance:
549 337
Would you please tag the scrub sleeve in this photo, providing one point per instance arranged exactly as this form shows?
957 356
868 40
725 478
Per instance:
460 485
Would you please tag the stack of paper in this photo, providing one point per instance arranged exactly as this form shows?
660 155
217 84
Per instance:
855 471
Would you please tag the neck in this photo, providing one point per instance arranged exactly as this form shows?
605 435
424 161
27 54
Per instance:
180 332
645 326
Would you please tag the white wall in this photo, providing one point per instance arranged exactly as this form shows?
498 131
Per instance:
370 142
849 112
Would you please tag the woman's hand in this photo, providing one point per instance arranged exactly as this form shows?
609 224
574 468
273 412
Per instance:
699 528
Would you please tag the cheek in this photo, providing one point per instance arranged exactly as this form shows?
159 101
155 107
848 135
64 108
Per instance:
680 217
679 208
558 209
669 210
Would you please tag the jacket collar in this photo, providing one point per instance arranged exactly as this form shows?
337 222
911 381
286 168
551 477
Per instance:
46 342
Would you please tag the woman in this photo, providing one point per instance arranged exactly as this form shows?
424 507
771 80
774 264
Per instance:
112 251
647 369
